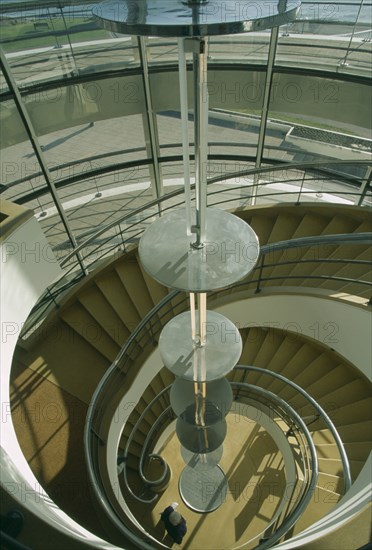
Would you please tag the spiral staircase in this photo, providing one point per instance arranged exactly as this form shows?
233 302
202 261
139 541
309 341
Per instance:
58 367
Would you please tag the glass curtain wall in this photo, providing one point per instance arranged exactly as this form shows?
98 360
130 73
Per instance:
100 123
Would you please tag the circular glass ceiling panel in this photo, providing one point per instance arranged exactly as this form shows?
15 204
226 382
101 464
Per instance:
201 439
178 18
217 402
203 490
230 252
214 360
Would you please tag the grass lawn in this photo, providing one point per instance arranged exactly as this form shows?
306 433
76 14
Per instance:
299 121
50 32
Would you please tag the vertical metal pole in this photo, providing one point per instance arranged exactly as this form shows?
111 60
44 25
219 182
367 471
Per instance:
193 317
301 187
265 107
202 308
182 69
39 154
150 117
344 61
58 45
365 184
201 139
76 70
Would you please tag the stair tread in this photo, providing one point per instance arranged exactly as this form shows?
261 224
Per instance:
80 320
112 287
100 309
131 276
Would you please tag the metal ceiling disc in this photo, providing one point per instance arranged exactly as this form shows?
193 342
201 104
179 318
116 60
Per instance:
230 252
179 18
201 489
214 360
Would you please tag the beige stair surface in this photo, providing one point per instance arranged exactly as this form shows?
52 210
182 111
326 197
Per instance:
76 344
353 535
256 482
49 423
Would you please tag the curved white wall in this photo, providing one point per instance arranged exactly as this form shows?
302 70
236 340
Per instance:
335 323
27 268
343 327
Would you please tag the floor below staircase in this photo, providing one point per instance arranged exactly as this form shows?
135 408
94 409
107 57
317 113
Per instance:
49 424
256 481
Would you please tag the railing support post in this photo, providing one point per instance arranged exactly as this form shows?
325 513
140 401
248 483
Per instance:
258 289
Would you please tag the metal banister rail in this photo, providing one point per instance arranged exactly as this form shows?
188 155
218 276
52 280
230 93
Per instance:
306 497
320 411
276 405
63 284
145 445
268 397
134 339
336 240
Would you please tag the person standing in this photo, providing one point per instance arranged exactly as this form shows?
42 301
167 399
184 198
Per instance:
174 523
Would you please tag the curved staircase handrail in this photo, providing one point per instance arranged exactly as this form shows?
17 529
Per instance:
177 192
306 497
302 242
286 413
337 239
322 413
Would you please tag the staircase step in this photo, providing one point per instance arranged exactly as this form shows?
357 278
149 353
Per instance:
341 224
353 433
141 431
365 226
349 393
352 413
312 223
335 378
131 276
100 309
313 371
356 452
80 320
156 290
62 356
330 466
267 349
322 502
119 299
299 361
262 225
251 340
284 227
330 482
148 397
360 431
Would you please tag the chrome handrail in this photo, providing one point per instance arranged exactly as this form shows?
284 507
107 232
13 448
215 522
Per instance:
338 239
216 179
321 411
306 497
128 444
48 297
292 417
173 294
298 388
108 373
